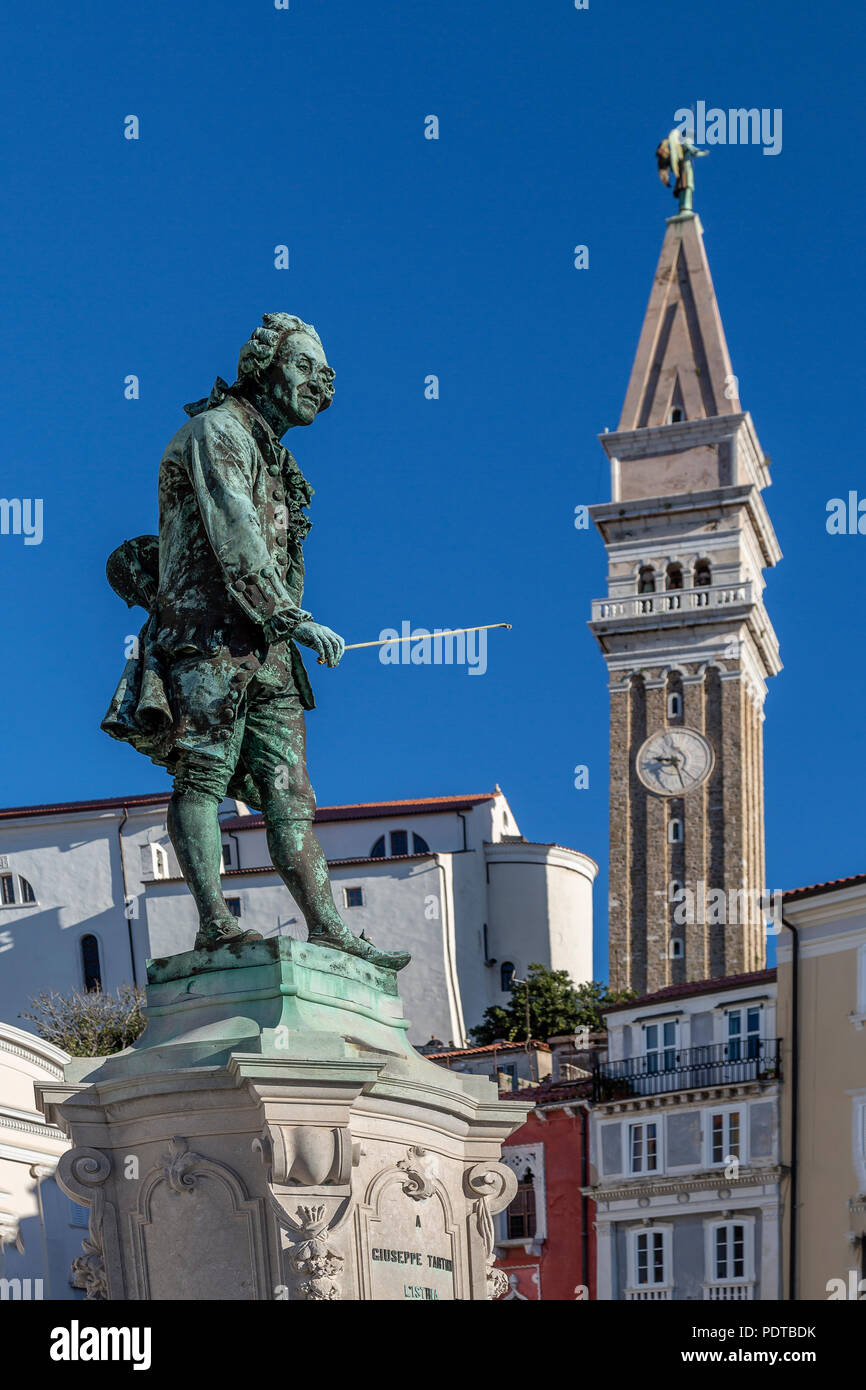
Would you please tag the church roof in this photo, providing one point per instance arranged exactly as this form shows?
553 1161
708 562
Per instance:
376 810
362 810
682 357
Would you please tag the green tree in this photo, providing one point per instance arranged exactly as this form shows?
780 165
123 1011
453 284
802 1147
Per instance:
89 1025
556 1006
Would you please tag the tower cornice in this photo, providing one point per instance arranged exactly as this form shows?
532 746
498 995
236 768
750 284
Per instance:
617 515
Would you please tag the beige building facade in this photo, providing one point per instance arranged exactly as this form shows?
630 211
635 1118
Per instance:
822 1022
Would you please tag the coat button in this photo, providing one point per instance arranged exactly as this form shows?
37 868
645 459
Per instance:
280 539
240 585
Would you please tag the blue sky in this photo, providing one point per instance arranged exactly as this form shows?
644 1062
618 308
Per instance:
305 127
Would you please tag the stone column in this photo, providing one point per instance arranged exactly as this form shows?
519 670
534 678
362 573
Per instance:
604 1261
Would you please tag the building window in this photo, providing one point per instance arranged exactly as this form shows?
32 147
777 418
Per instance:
353 897
234 906
703 574
660 1046
78 1216
506 975
676 948
7 889
676 890
675 705
643 1148
648 1258
229 861
646 580
725 1131
859 1137
744 1033
90 966
674 577
27 894
399 845
730 1254
520 1221
675 415
675 830
160 861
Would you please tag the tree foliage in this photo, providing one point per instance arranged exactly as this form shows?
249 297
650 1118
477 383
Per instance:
556 1006
89 1024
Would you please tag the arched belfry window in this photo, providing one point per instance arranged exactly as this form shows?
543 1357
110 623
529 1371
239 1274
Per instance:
674 577
646 580
703 574
90 966
506 975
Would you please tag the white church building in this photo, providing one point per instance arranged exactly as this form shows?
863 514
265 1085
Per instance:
90 890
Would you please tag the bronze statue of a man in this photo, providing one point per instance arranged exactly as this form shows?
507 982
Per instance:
217 690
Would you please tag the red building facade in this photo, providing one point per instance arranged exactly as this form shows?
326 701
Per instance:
545 1240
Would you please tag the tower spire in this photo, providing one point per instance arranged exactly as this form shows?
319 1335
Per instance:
682 358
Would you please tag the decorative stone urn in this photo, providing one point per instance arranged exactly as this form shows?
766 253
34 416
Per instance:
273 1135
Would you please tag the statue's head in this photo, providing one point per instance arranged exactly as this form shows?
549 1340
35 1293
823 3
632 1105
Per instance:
285 357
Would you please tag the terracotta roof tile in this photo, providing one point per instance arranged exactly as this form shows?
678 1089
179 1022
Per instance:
550 1093
486 1049
814 889
376 810
362 810
754 977
105 803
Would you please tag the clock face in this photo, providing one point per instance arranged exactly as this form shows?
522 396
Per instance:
674 761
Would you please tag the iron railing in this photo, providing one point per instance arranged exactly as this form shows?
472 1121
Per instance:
684 1068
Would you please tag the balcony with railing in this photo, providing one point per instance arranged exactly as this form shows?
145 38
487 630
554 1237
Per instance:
737 1292
708 596
688 1068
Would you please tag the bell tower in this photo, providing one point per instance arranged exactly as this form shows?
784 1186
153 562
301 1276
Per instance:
688 644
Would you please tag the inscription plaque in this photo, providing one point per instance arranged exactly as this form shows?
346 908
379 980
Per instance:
410 1250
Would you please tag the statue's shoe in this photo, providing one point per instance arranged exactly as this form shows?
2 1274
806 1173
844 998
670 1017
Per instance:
218 932
344 940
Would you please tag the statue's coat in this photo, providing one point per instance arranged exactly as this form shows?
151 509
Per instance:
231 581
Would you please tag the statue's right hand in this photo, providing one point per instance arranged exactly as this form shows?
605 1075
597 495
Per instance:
327 645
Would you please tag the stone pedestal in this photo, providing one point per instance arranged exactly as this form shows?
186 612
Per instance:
274 1135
